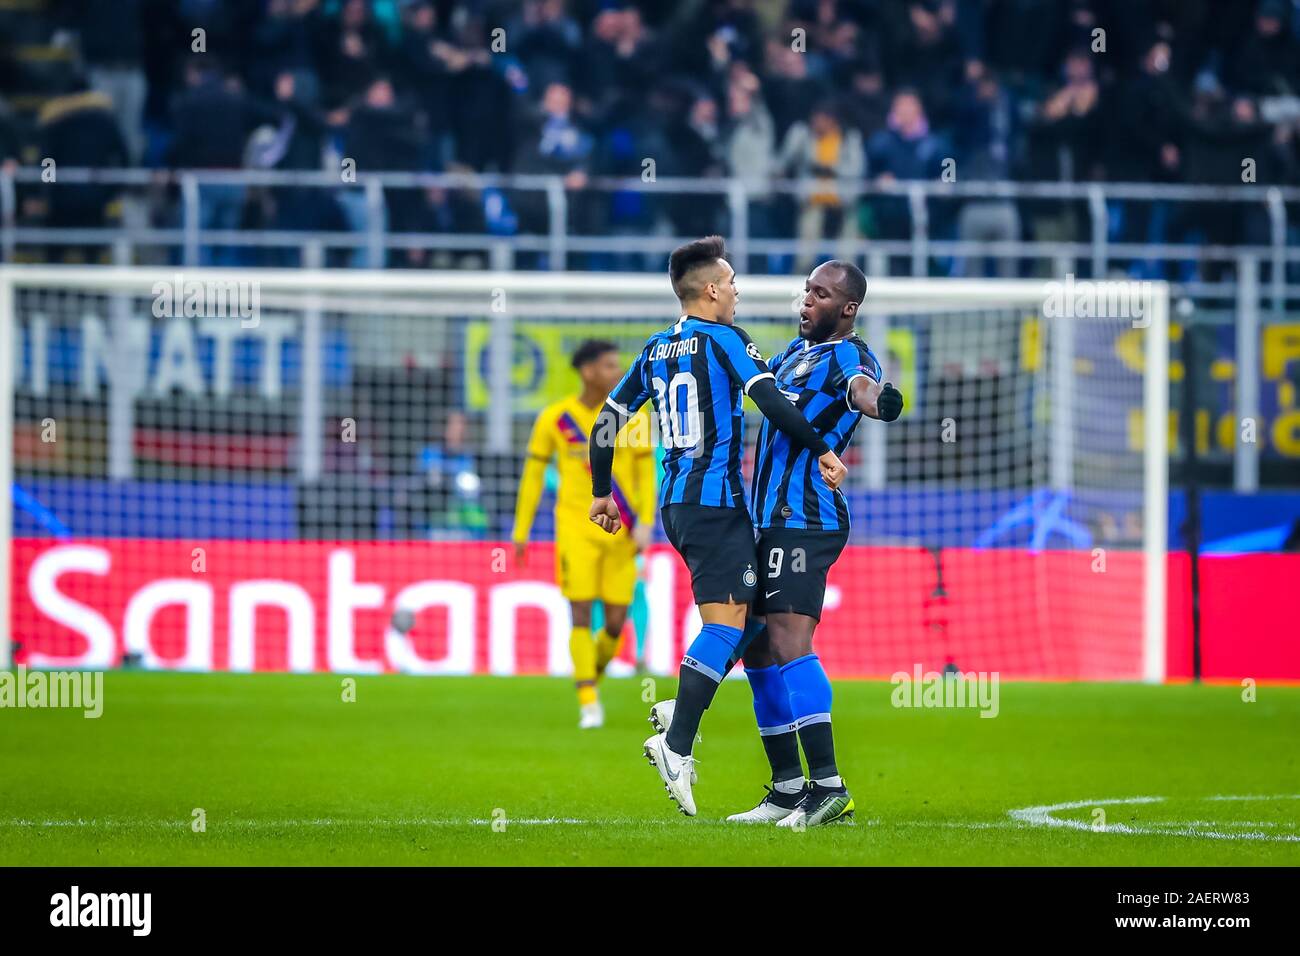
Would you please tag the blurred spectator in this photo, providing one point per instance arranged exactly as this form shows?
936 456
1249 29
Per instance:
481 84
983 130
110 39
1021 40
285 41
751 155
355 50
1066 141
923 52
694 149
620 62
829 161
212 119
867 106
379 137
836 42
1149 118
1068 129
547 41
1267 63
709 37
452 494
557 146
79 129
789 88
298 142
905 149
1221 135
427 74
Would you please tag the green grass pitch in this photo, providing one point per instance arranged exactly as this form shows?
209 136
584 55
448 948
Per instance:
416 771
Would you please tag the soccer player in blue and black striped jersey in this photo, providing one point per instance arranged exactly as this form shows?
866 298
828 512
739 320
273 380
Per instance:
833 379
695 372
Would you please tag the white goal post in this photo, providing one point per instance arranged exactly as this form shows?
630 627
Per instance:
1036 430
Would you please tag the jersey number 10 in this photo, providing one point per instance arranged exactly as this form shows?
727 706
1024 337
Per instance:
679 421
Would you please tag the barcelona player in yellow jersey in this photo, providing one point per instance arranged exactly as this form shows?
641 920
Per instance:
590 565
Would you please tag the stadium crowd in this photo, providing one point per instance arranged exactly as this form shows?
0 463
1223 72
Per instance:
833 93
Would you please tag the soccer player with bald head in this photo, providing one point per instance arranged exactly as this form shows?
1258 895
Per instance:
833 379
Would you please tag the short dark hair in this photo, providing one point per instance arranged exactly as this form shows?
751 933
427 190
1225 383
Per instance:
694 255
591 350
855 283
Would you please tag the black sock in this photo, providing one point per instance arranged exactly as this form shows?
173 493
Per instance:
783 755
694 694
819 748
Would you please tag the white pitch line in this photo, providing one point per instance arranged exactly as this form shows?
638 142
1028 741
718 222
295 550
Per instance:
1043 816
1234 824
1020 819
288 824
1257 796
215 824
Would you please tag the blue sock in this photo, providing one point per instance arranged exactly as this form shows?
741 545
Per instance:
810 689
711 650
702 670
810 705
775 723
753 628
771 699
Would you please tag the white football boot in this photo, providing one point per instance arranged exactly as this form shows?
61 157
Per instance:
661 715
674 770
821 806
592 715
661 718
774 807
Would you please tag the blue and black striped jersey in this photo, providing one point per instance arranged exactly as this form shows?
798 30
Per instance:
788 490
695 372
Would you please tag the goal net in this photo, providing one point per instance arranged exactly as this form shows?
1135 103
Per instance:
307 470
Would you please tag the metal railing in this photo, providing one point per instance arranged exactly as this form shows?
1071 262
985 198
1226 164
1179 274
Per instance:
1243 290
183 242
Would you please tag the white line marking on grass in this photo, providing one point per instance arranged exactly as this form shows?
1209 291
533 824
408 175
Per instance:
1044 816
1232 824
944 824
288 824
1257 796
1020 819
246 824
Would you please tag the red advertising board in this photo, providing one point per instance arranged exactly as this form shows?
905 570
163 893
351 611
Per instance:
328 606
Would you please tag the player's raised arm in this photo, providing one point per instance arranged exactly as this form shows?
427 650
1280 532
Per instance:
867 395
745 363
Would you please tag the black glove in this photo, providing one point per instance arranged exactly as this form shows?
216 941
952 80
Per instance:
889 403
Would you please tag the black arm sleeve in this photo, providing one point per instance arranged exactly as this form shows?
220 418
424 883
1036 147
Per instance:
782 413
600 450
